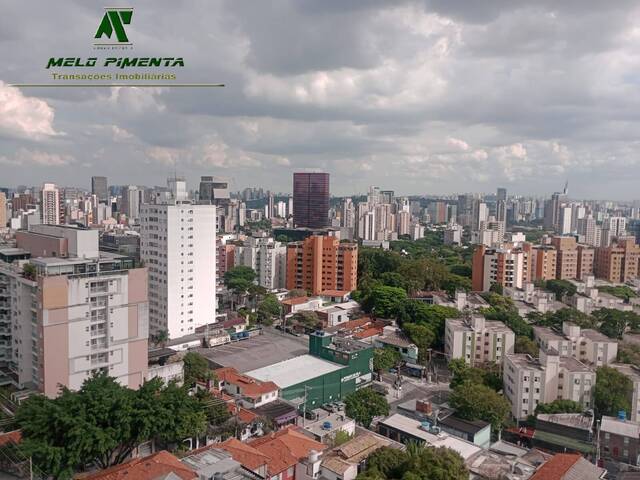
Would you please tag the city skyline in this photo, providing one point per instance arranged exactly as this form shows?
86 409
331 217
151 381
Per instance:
434 97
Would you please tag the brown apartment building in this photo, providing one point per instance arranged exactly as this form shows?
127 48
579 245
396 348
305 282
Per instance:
322 263
618 263
567 257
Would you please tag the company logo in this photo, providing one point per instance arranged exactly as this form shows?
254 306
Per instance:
114 21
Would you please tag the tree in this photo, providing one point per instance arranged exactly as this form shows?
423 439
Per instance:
614 323
474 401
307 319
385 301
496 288
422 336
103 422
196 367
341 437
612 392
463 373
268 308
296 292
160 338
385 358
526 345
560 406
365 404
28 270
239 279
417 462
561 288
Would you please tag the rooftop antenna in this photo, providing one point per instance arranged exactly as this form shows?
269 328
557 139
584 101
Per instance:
566 187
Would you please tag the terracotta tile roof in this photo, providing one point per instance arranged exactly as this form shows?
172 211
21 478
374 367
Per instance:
248 456
147 468
10 437
295 300
335 293
369 332
249 386
557 467
285 448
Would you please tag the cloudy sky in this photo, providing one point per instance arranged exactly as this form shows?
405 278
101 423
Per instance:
423 97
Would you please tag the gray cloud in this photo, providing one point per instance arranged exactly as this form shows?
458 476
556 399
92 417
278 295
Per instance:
426 96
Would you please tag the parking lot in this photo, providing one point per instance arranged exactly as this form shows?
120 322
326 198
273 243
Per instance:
257 352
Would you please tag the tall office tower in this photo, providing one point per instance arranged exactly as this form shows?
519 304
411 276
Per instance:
616 225
268 259
438 212
131 200
290 207
99 188
321 263
578 212
552 210
214 190
3 210
311 200
564 225
480 214
373 196
587 230
452 213
387 196
465 209
50 204
82 311
177 188
178 246
270 205
501 205
403 223
348 217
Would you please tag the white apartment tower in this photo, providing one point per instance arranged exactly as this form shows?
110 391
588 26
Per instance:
178 247
50 204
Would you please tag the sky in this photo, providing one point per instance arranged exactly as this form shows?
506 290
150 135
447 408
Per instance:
421 97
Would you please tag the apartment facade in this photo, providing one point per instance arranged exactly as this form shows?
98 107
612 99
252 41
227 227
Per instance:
477 340
567 257
618 263
177 245
506 266
529 382
322 263
50 204
586 345
543 262
268 259
68 318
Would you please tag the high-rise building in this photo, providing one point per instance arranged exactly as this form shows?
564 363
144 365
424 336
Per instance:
322 263
587 230
131 199
403 222
214 190
311 200
178 246
99 188
74 315
615 225
3 210
504 266
267 258
543 263
501 194
567 257
50 204
586 257
552 210
618 263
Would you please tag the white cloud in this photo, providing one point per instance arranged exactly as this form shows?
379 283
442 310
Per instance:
26 117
